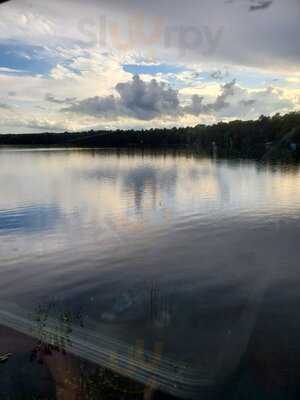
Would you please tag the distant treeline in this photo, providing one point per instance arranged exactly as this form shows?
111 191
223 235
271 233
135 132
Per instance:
279 134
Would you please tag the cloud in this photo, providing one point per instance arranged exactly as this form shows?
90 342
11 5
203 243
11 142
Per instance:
52 99
6 70
260 4
252 103
247 103
197 107
218 75
226 32
52 60
97 106
44 124
136 99
146 101
153 100
5 106
255 5
221 101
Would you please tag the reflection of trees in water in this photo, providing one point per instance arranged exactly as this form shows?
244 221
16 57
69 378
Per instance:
148 182
141 182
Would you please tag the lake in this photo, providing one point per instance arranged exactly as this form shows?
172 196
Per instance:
198 254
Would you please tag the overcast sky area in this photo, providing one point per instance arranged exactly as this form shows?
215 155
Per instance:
71 65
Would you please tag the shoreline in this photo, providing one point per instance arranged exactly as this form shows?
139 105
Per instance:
266 137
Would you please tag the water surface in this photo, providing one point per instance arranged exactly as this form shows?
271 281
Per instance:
197 253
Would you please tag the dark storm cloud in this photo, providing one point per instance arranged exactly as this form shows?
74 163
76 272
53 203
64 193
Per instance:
148 100
137 99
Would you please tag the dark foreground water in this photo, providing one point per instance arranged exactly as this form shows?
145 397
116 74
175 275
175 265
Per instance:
194 256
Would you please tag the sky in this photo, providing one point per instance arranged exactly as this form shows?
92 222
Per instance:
72 65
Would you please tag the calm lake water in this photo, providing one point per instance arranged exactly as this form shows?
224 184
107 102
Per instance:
199 254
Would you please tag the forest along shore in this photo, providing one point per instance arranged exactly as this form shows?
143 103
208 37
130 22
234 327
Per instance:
266 137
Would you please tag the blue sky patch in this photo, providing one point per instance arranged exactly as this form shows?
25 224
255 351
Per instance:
248 79
26 59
